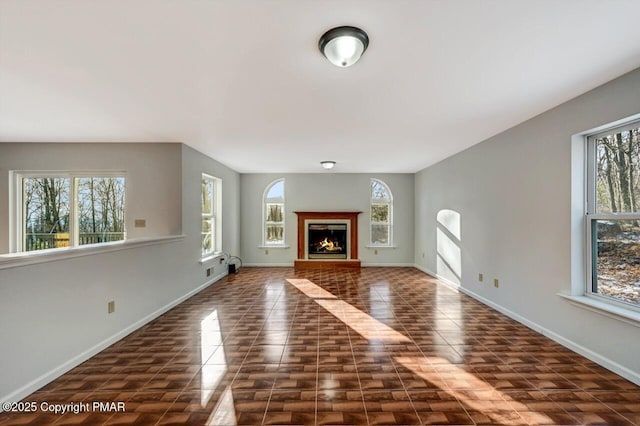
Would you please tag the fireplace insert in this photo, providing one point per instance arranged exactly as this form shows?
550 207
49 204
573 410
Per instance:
327 240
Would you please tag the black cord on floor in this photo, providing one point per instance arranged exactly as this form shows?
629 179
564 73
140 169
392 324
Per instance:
231 261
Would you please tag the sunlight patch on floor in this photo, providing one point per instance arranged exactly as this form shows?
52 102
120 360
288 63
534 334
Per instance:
469 390
310 289
361 322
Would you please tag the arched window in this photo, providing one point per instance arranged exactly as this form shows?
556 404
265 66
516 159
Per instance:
381 214
273 214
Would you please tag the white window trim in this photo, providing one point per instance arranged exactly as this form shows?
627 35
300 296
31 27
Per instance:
626 312
16 227
265 244
373 201
216 215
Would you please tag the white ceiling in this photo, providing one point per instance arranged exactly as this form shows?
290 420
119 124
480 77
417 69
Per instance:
243 80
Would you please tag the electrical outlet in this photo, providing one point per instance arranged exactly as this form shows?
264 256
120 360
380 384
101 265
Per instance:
111 307
221 260
423 255
140 223
266 252
496 283
480 277
375 252
208 272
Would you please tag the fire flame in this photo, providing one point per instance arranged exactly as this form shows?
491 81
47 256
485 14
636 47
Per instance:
328 245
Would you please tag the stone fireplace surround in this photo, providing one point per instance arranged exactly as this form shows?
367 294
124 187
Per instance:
350 217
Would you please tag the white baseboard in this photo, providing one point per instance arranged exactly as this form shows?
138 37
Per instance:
454 286
269 265
607 363
48 377
386 265
290 265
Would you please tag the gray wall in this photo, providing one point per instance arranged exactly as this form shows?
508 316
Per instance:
326 192
513 194
53 315
193 165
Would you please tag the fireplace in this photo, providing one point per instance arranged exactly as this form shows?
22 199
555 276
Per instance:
326 240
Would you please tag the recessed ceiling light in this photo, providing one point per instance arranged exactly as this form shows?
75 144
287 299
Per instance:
328 164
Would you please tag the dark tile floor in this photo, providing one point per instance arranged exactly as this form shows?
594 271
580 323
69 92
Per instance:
369 346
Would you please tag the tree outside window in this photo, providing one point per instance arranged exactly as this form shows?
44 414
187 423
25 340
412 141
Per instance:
65 210
613 216
381 213
211 215
273 213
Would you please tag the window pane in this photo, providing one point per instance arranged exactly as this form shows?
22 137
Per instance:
207 244
209 214
100 209
274 234
618 172
207 196
379 212
379 191
274 212
380 234
46 213
276 190
617 259
207 235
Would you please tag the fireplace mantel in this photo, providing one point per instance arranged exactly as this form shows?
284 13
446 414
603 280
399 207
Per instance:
348 216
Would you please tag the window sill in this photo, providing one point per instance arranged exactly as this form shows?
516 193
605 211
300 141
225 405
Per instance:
628 316
15 260
211 257
282 246
375 246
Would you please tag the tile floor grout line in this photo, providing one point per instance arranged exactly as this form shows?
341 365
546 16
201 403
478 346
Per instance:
317 364
273 385
355 363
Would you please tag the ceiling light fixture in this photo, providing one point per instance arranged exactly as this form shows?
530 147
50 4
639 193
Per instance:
343 46
328 164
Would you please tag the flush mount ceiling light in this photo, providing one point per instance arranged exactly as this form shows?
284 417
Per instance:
328 164
343 46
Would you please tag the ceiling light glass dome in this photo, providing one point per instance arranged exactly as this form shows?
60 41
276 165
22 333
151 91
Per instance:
343 46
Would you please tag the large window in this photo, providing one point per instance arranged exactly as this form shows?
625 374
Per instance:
65 209
273 214
613 214
381 214
211 216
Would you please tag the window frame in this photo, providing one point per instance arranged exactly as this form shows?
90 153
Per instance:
377 201
215 216
592 215
267 201
16 218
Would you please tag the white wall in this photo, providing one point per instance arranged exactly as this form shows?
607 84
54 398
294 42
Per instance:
513 195
54 315
326 192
